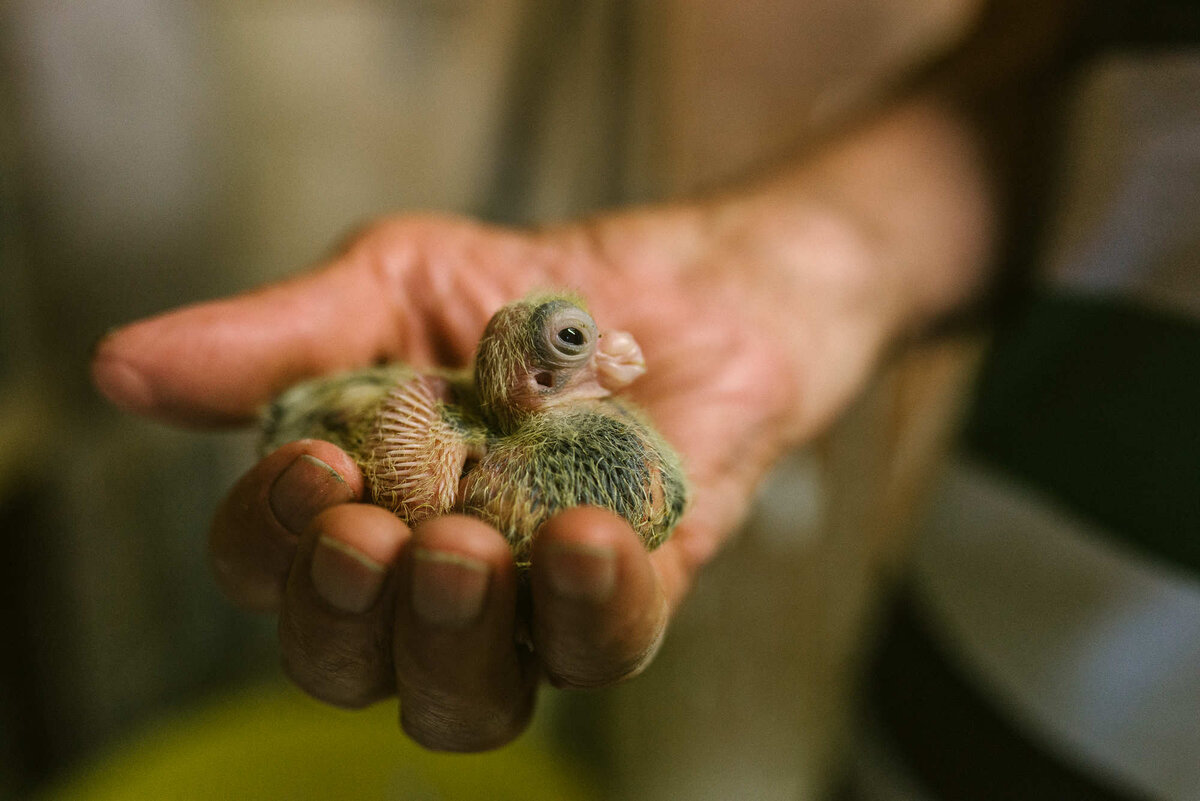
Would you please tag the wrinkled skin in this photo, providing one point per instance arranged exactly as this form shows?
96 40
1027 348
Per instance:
760 314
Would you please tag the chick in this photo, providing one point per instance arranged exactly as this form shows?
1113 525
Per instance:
531 430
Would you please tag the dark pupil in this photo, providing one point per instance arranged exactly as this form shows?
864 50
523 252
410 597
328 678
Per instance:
572 336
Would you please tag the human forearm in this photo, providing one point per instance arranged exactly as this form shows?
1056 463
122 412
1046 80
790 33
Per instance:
900 214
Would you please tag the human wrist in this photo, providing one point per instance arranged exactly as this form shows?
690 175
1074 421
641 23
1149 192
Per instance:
843 256
892 223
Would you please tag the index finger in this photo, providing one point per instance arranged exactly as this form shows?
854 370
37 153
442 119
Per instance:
419 289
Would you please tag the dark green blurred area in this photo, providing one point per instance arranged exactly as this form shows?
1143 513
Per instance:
1095 402
106 612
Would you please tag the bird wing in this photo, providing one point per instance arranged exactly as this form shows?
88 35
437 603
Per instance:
417 447
336 408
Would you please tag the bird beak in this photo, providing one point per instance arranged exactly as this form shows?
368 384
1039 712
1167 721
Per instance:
618 360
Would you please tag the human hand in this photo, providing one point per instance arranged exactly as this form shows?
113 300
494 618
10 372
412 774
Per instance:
758 323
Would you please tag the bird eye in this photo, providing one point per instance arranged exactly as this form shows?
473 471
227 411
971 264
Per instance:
571 336
567 334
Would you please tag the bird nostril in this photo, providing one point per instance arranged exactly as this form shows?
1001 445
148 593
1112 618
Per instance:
545 378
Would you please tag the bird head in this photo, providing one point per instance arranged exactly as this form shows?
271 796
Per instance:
545 352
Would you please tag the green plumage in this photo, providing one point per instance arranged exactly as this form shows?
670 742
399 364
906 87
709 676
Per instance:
535 432
602 456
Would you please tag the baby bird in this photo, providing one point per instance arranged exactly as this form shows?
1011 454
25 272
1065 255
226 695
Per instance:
532 429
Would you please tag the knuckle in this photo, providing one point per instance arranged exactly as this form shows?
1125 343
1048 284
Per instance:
586 666
331 668
441 723
580 675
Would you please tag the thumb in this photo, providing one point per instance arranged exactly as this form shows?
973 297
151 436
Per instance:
217 363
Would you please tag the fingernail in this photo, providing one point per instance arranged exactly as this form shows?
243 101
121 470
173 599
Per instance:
346 578
306 487
581 572
123 385
448 589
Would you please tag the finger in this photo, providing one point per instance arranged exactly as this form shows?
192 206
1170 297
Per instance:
253 537
416 288
464 684
218 362
335 628
599 606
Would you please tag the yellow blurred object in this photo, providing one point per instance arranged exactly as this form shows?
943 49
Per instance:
271 742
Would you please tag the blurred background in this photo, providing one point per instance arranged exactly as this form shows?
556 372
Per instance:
155 153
